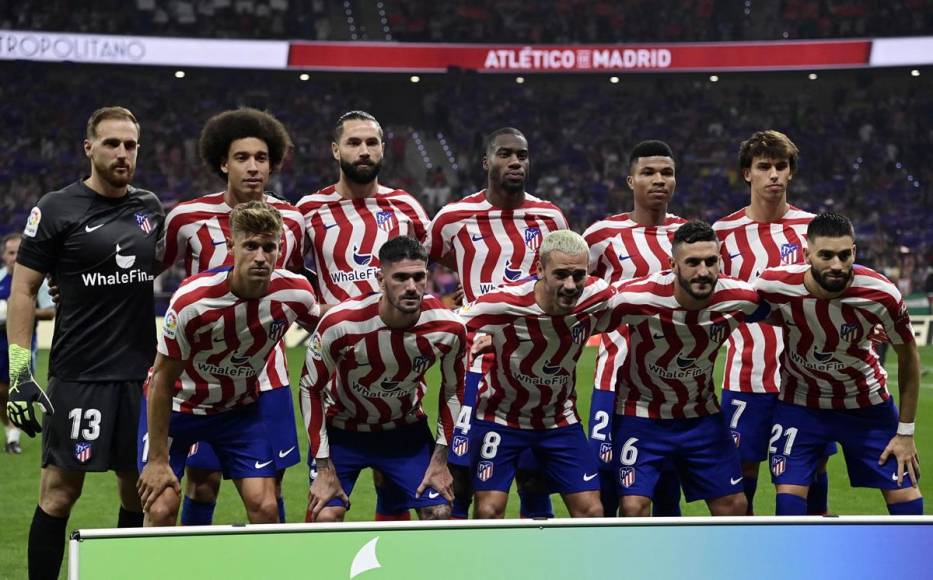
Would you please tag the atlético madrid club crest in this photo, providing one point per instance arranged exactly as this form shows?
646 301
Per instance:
277 329
605 452
83 452
385 220
533 238
790 253
421 363
460 445
627 476
484 470
718 332
778 464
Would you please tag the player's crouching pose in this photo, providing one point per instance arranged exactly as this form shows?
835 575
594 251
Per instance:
218 332
832 385
378 348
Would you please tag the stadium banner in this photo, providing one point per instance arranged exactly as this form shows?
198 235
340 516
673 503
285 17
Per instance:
902 51
657 548
549 58
486 58
141 50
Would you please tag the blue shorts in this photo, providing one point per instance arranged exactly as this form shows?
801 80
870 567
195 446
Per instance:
701 449
278 413
237 436
563 454
459 453
801 435
402 455
749 417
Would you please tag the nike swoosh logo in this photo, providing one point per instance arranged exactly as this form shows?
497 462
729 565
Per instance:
90 229
434 494
261 465
734 256
658 336
216 243
623 258
329 226
589 477
476 238
286 452
735 481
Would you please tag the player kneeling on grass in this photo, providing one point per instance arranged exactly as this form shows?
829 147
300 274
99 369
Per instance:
832 385
216 338
377 349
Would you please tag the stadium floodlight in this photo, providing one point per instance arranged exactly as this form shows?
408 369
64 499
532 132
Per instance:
304 76
614 80
179 74
415 79
915 73
519 80
812 76
714 78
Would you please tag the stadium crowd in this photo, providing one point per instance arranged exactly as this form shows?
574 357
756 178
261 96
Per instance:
482 20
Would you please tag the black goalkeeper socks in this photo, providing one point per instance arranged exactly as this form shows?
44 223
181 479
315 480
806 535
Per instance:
46 545
128 519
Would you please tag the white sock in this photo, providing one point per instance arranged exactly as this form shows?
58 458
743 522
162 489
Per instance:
12 435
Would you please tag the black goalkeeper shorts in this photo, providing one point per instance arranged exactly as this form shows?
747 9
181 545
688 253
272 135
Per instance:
94 426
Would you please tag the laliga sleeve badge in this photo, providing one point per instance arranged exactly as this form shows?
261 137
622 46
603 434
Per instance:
170 324
314 346
32 224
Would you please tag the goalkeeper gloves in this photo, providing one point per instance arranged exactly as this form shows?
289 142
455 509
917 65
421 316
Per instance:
25 393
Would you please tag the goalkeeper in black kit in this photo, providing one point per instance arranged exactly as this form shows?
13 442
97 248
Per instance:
97 239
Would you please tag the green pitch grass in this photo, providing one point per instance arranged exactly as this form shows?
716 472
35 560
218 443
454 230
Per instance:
97 508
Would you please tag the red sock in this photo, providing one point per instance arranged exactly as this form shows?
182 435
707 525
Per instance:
402 517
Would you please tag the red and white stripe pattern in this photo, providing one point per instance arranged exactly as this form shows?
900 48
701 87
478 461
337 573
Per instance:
828 361
226 340
529 381
345 236
492 246
196 232
669 371
379 372
748 248
622 249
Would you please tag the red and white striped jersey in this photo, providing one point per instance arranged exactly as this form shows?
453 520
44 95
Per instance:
379 372
529 381
491 246
622 249
345 235
196 232
748 248
669 371
828 361
226 340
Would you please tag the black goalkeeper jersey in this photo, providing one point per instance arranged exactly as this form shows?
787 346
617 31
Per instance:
101 253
